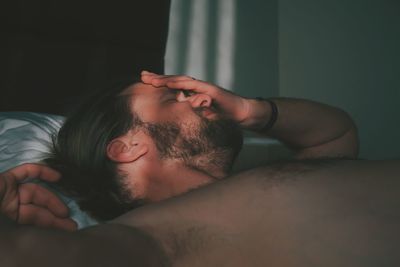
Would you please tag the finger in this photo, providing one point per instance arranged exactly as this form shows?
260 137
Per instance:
64 224
148 78
195 85
31 193
146 72
38 216
162 81
150 74
30 170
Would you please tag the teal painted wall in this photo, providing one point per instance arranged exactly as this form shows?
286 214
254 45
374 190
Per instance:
347 54
340 52
256 54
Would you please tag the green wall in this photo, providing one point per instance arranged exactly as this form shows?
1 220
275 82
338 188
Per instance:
340 52
347 54
256 54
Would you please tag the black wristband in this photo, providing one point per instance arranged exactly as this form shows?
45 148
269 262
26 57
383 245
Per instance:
274 114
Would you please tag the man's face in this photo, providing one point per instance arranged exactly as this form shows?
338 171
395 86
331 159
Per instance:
184 130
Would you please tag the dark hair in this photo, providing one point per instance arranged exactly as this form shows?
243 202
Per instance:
79 153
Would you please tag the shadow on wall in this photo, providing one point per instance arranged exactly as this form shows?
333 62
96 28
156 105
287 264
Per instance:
228 42
233 44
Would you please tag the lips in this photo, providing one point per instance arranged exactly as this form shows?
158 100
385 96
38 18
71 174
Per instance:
207 112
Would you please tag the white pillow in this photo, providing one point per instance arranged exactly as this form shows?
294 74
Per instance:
26 137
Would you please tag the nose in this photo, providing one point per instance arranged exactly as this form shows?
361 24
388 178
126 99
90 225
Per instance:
200 100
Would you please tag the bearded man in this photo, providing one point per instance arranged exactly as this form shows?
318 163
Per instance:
147 140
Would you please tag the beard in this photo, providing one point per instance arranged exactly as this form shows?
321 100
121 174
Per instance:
204 145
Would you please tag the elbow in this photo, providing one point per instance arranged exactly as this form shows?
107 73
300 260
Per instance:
350 139
351 142
347 144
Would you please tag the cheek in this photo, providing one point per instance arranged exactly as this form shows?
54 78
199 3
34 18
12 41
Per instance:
147 113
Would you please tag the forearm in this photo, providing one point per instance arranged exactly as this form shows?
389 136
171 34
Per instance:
312 129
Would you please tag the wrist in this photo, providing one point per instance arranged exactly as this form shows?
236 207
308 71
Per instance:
260 113
273 115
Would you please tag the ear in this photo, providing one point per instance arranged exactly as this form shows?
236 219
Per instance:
125 150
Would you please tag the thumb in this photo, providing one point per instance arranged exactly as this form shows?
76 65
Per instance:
42 217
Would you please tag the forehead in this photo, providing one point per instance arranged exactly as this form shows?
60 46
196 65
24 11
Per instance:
143 89
145 97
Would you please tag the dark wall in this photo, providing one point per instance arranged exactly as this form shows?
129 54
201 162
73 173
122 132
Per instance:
52 52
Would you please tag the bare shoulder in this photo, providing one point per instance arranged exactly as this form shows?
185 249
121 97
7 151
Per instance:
321 213
335 168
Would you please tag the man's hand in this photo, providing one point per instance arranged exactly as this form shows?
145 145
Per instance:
31 203
228 104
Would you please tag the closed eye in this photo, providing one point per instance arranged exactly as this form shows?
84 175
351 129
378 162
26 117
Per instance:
182 95
177 95
187 93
